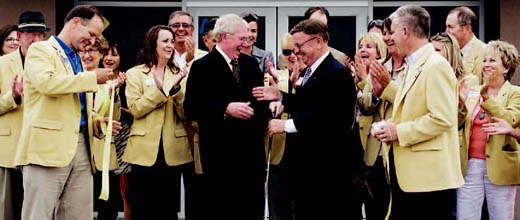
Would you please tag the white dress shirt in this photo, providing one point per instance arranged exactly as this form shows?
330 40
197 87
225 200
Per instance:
228 60
289 124
180 59
467 48
412 59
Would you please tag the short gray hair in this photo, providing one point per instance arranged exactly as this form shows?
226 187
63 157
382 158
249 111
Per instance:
415 17
228 24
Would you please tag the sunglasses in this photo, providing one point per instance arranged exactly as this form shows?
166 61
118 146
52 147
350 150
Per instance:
378 23
287 52
178 25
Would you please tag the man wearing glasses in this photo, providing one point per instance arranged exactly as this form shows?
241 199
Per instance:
181 23
31 29
318 149
231 124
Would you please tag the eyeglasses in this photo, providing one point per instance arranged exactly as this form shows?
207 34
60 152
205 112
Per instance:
444 35
178 25
91 51
301 45
287 52
10 39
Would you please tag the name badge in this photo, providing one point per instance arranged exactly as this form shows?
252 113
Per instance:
149 82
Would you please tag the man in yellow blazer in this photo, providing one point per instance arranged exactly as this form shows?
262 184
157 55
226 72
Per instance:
459 23
57 125
424 159
31 29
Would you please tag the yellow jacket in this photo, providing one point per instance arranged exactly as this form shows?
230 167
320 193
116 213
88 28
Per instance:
503 167
191 126
473 64
381 110
157 115
98 144
426 156
52 110
11 113
278 140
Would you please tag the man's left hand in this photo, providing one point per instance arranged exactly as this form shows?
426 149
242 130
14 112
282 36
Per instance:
276 126
17 87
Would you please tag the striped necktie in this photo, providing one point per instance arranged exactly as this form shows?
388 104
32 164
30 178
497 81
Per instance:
307 75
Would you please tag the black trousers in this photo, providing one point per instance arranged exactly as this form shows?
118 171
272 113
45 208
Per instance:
433 205
107 210
376 208
157 189
279 199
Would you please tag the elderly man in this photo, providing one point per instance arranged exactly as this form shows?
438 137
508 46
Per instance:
208 36
57 126
31 29
460 23
318 152
424 156
231 124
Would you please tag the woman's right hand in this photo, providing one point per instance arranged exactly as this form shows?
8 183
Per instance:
463 92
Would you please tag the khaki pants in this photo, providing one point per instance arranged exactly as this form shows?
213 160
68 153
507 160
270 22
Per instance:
59 193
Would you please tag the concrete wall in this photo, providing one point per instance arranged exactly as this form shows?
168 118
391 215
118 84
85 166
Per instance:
10 11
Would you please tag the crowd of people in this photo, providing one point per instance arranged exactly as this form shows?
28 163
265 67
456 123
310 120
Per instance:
413 126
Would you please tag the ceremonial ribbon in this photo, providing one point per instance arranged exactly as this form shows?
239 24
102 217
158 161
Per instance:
108 105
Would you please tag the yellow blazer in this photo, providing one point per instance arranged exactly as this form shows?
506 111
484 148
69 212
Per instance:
52 110
473 64
425 110
191 126
503 167
382 110
98 144
278 140
11 113
157 115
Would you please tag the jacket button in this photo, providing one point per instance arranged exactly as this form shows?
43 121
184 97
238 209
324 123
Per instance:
487 156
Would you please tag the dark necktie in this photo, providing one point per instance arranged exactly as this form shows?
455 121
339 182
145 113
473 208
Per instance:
235 70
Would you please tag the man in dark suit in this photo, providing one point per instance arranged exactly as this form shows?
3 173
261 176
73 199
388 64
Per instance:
319 153
231 124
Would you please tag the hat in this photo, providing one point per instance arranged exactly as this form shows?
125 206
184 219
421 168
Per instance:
32 21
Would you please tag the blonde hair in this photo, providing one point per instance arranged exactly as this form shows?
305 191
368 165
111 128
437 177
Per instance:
287 40
452 48
378 40
100 44
228 24
508 55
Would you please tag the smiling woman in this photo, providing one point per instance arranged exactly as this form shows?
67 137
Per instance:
8 39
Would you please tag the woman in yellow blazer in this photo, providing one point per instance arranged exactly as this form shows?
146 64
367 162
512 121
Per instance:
158 147
490 164
374 108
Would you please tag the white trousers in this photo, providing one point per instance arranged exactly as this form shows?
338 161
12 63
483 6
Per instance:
500 199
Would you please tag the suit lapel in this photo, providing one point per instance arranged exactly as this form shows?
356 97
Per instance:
322 68
63 57
413 74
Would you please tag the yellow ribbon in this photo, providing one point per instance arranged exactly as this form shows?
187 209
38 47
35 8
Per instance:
108 105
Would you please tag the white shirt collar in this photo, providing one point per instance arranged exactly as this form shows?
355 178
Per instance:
180 59
315 65
228 60
467 48
410 60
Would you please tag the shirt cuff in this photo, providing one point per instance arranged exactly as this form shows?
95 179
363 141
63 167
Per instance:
289 126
